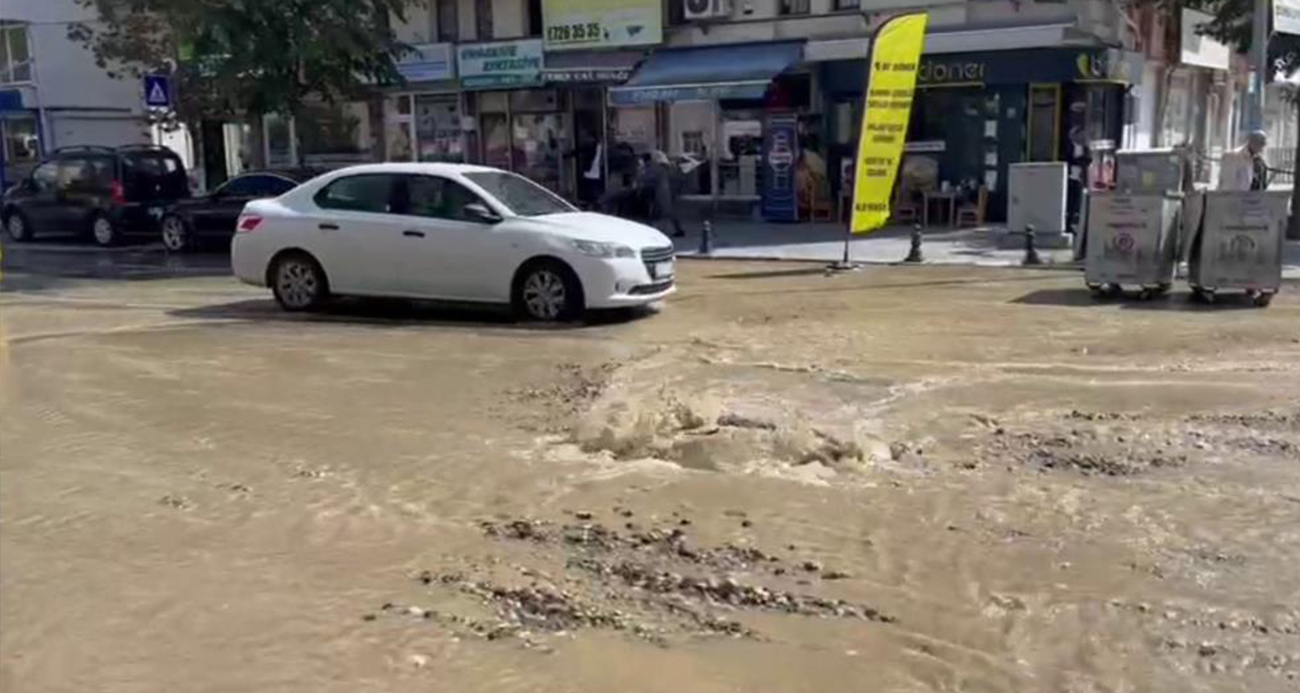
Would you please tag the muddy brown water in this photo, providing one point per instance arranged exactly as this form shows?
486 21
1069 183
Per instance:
198 493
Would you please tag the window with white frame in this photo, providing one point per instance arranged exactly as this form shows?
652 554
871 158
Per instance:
15 53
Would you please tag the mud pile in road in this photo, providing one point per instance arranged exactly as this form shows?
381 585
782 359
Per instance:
654 583
1119 444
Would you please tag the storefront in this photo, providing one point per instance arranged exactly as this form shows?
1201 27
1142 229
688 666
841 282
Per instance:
424 121
20 137
976 113
582 77
718 107
522 125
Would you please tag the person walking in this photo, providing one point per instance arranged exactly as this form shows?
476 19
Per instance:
665 186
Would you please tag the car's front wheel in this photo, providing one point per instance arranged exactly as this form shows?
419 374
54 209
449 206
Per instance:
175 234
17 226
299 283
548 291
103 230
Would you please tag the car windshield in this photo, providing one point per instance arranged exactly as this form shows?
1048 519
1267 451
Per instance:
520 195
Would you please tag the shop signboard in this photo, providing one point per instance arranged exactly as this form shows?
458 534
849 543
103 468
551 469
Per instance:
780 154
1027 66
500 65
573 24
891 86
429 62
1286 17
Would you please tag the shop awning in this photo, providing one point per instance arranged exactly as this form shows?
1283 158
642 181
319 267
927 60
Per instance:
708 73
600 67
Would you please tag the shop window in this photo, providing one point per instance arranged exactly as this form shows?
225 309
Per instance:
21 144
844 5
483 19
398 138
448 20
536 101
437 128
794 7
533 11
335 134
15 54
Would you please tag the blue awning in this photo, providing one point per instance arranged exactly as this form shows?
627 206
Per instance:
708 73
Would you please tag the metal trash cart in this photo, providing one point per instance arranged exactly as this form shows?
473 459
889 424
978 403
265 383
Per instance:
1240 244
1132 241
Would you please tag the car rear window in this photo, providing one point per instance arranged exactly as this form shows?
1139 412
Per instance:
361 193
153 174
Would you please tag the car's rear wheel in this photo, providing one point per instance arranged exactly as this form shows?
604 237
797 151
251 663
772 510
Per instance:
17 226
176 236
548 291
299 283
103 230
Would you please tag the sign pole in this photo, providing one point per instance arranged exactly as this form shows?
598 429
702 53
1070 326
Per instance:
845 264
1259 60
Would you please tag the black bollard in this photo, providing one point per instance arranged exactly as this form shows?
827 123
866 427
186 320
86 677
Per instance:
915 255
706 239
1031 252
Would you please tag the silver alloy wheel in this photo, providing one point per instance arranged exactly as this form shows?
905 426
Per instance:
103 229
545 295
17 227
297 283
173 234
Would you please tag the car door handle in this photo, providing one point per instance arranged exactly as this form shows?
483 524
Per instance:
413 234
328 227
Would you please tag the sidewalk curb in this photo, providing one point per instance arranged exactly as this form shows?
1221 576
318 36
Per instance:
1058 266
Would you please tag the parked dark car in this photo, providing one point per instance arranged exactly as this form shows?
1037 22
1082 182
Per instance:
105 192
187 224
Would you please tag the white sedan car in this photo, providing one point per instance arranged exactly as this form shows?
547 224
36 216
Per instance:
447 232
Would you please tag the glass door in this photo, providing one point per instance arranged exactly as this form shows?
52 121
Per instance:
437 128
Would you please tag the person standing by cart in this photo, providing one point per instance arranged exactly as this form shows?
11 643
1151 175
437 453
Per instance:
1245 168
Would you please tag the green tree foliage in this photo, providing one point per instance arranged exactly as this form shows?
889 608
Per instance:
231 57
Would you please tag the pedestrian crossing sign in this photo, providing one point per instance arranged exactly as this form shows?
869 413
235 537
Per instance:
157 91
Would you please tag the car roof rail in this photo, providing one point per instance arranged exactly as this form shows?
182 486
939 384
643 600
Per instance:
82 148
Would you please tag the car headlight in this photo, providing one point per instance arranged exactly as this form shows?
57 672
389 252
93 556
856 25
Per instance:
598 249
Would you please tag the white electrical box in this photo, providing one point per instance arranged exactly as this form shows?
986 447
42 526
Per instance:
1036 197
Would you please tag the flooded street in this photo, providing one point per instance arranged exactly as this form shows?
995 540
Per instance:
900 479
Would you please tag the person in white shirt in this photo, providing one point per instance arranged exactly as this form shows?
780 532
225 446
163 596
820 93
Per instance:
1245 168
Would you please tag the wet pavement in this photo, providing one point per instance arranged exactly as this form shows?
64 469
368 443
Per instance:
903 479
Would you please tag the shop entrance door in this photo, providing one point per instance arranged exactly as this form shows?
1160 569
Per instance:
1044 122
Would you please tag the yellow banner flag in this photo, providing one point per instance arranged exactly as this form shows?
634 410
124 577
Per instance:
895 54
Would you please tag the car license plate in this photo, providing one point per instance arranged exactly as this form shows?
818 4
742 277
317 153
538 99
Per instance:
663 270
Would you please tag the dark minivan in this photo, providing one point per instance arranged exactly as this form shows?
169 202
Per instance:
105 192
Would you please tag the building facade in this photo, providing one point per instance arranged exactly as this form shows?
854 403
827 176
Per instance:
759 100
52 94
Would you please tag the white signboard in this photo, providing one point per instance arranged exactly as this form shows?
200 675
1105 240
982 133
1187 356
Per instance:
1204 51
1286 16
429 62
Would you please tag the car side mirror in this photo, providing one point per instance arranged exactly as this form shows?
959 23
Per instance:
479 212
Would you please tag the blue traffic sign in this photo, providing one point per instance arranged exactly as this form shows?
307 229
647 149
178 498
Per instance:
157 91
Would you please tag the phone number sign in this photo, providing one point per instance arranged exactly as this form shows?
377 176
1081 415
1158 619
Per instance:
573 24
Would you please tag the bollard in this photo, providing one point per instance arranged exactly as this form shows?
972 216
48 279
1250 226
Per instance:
1031 252
915 255
706 239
